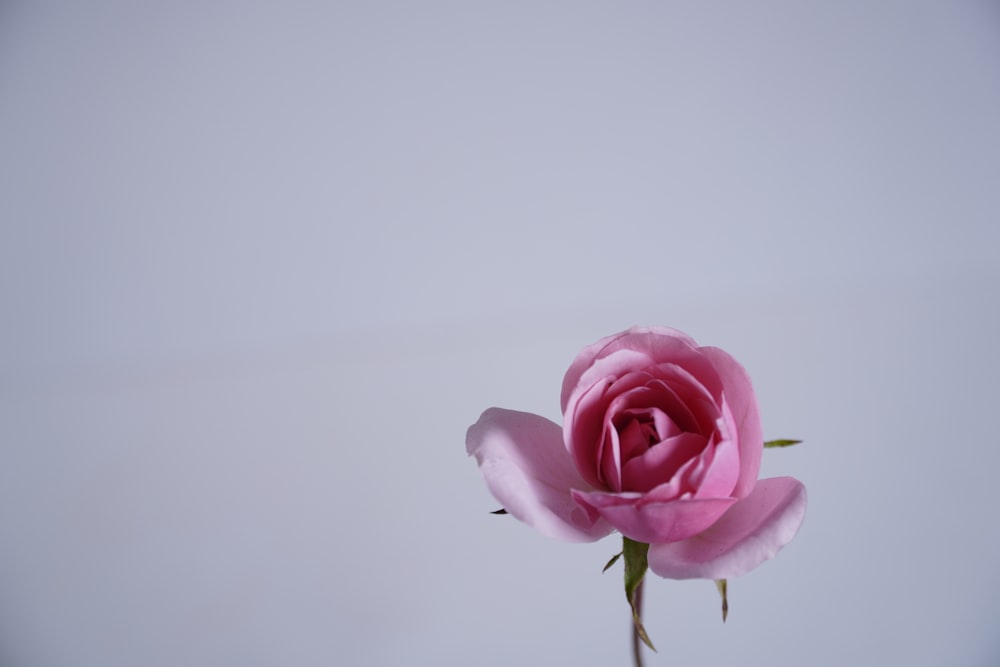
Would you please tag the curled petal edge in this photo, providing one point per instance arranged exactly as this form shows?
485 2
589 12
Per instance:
750 532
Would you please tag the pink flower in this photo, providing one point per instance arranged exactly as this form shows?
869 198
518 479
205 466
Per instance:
661 440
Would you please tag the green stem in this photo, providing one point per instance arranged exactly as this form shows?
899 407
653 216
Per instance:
636 565
636 639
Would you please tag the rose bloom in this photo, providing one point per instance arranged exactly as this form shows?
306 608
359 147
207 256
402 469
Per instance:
661 440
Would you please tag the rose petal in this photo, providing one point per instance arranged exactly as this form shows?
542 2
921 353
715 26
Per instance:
720 462
641 345
584 432
529 471
633 435
593 415
661 462
639 518
749 533
611 456
582 362
657 394
665 426
610 459
742 402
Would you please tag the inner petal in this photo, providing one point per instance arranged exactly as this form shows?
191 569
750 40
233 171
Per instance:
668 400
633 438
699 405
641 428
610 466
665 426
662 463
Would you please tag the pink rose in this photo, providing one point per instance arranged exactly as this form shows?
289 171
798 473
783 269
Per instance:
661 440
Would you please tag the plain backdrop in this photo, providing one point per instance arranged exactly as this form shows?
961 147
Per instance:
261 265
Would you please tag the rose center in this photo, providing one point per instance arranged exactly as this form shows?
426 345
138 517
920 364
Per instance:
648 430
641 430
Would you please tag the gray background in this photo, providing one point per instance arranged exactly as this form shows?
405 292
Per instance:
261 266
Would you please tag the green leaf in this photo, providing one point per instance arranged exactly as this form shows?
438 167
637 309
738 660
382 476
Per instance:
499 511
635 569
781 443
614 559
721 585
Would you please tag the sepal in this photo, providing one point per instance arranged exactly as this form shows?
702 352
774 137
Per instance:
721 585
780 443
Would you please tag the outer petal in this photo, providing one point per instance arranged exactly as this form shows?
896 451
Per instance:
611 344
739 396
639 517
751 532
529 471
